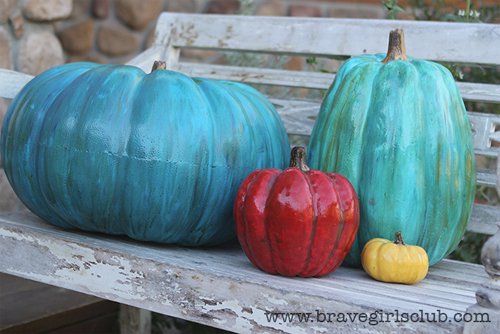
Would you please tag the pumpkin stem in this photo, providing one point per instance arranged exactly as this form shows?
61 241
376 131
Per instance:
159 65
397 49
298 159
399 239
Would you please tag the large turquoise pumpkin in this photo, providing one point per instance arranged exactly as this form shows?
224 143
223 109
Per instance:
398 130
158 156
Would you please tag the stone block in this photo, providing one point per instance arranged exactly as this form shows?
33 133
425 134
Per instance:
295 63
101 8
17 24
223 7
47 10
345 10
198 54
8 198
184 6
138 14
305 11
78 38
115 40
91 57
7 8
39 51
406 15
271 8
80 8
5 50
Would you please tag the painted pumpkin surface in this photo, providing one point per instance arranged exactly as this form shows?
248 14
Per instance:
157 156
395 262
397 128
296 222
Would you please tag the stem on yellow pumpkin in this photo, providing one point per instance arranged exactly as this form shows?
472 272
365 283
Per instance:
298 159
397 49
159 65
399 239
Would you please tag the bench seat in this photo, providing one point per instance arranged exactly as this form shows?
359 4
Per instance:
219 287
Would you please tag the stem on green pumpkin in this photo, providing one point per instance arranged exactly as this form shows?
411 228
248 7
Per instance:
399 239
396 49
159 65
298 159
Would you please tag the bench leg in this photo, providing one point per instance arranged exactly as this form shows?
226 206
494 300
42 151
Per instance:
134 320
485 315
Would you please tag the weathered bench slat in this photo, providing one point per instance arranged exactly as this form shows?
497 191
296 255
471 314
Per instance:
299 115
254 75
305 79
479 92
485 129
486 177
327 37
219 286
12 82
425 293
484 219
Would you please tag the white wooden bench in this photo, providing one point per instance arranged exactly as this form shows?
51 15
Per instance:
218 286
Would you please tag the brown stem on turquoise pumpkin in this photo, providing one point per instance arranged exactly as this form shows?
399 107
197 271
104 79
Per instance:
298 159
397 49
159 65
399 239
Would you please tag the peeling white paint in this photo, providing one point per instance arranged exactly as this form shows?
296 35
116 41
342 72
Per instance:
275 301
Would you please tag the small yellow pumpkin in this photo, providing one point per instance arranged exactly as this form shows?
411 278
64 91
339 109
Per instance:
394 262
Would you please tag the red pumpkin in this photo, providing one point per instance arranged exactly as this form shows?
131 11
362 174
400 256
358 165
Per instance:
296 222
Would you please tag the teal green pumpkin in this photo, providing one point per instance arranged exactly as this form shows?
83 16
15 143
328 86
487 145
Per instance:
158 157
397 128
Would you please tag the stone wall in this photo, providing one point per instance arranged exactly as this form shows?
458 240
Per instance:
107 31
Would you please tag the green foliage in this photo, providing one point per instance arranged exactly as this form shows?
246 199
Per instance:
311 61
392 7
437 10
247 7
428 11
469 249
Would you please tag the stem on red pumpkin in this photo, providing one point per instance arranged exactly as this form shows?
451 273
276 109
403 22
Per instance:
298 159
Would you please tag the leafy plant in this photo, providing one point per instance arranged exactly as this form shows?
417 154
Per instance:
392 7
469 249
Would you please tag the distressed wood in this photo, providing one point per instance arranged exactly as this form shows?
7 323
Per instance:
484 219
463 43
31 307
11 82
304 79
488 294
219 287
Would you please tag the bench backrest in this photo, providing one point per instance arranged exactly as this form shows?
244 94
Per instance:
452 43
